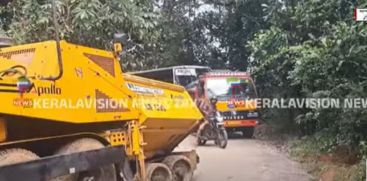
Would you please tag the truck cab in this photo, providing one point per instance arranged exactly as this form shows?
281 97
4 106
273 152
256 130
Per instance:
236 94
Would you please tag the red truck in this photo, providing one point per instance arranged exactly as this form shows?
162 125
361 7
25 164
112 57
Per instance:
236 94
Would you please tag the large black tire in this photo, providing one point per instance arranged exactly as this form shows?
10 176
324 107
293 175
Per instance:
106 173
158 172
15 155
125 170
180 166
248 132
222 140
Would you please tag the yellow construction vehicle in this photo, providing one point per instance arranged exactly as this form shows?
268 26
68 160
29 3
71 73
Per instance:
68 112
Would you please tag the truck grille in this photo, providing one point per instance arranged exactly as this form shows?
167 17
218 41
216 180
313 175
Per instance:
239 115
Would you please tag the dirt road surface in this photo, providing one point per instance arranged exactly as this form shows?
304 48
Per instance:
242 160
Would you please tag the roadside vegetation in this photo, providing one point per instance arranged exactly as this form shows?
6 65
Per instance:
338 165
293 49
315 49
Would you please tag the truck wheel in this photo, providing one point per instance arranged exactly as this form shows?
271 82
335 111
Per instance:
125 170
248 132
180 167
15 155
106 173
158 172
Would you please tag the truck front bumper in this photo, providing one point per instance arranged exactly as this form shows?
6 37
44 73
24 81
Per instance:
240 123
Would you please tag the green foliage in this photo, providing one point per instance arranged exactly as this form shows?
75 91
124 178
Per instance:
210 32
314 49
336 66
318 161
163 32
241 21
270 64
87 22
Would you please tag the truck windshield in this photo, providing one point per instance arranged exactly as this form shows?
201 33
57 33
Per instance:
227 88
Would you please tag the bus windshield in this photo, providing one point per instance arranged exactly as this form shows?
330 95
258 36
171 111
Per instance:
185 80
227 88
186 75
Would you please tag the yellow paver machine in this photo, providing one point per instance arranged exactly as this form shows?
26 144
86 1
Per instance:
68 113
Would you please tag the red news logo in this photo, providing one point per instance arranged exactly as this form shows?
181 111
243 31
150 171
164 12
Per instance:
248 104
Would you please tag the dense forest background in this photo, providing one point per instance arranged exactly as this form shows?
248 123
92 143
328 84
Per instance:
293 48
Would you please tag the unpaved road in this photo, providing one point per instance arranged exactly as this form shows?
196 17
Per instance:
242 160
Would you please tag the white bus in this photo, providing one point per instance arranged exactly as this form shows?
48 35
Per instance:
180 75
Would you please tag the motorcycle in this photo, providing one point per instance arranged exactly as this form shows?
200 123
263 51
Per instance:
213 129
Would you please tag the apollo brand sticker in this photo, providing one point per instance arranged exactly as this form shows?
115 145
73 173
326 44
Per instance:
144 90
52 89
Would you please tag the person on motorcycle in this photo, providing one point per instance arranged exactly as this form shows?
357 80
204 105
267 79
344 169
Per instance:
213 109
207 109
212 128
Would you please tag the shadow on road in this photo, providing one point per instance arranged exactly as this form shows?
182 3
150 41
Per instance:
237 136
